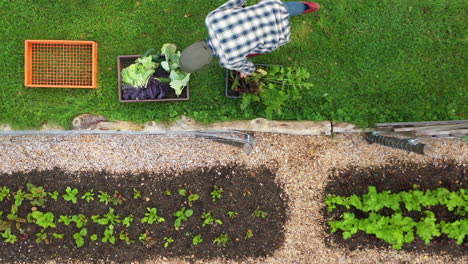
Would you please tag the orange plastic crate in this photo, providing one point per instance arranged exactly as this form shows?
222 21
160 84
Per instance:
61 63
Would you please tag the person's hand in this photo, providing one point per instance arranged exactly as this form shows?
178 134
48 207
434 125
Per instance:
243 75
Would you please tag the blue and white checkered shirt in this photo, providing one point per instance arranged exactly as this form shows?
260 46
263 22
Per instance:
236 32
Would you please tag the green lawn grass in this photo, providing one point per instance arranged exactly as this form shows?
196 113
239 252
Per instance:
370 61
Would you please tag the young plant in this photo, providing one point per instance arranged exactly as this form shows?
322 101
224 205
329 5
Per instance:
80 220
43 220
65 219
232 214
9 237
54 195
146 239
191 197
104 197
257 213
249 234
109 218
19 197
4 193
127 221
88 196
209 219
167 192
42 237
57 236
36 195
124 237
197 240
94 237
117 198
168 241
79 237
182 215
152 216
216 194
222 240
109 235
70 194
136 194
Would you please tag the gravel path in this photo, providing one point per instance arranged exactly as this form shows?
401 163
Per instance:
303 164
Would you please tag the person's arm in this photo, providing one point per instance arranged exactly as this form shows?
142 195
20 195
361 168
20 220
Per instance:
232 4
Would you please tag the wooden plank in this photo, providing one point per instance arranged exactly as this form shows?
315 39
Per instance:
455 133
424 123
435 128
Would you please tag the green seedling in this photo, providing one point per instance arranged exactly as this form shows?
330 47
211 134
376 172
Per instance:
71 195
109 218
65 219
146 239
216 194
127 221
222 240
79 237
152 216
36 195
209 219
183 192
191 197
124 237
232 214
43 220
136 194
248 234
167 192
54 195
182 215
19 197
88 196
9 237
197 240
57 236
168 241
257 213
4 193
109 235
42 237
104 197
80 220
94 237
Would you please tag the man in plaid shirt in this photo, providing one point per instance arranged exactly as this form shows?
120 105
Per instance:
237 32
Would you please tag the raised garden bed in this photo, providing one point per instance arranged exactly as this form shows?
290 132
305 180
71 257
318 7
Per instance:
126 60
414 181
248 213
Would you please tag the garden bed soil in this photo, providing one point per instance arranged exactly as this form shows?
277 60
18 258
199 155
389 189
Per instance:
303 166
396 177
243 191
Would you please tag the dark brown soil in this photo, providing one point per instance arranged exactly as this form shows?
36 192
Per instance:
244 191
397 177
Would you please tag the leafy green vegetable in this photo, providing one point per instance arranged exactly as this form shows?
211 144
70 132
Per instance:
138 74
179 79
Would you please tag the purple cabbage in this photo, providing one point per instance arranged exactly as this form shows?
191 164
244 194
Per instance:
154 90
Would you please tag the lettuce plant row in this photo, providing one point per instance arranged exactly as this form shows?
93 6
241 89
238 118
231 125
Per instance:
396 228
